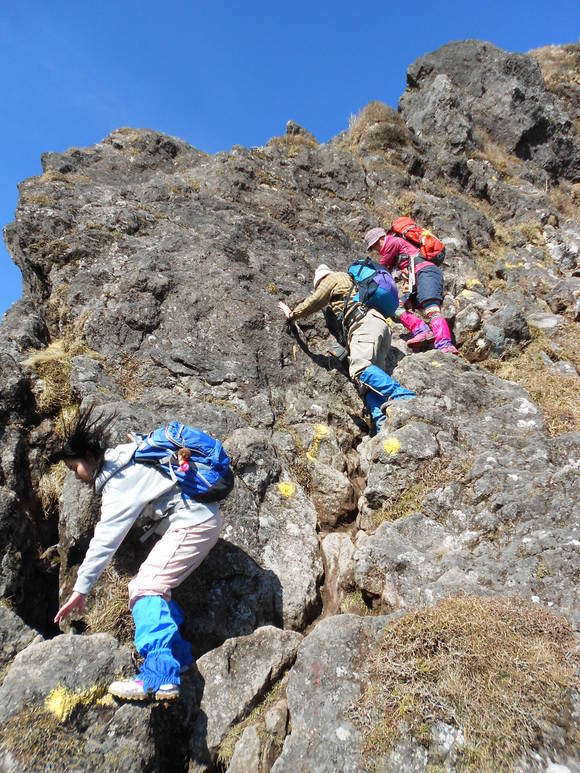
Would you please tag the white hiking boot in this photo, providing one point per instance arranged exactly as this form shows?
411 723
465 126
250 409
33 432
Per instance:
133 690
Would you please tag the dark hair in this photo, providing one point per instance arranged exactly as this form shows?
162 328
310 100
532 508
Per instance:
84 436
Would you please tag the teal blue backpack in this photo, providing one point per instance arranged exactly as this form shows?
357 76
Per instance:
376 287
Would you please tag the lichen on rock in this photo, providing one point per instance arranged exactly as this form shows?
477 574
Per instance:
151 272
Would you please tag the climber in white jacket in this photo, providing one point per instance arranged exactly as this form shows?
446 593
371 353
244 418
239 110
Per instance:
189 530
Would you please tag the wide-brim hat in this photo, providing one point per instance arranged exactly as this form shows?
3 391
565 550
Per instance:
320 273
372 236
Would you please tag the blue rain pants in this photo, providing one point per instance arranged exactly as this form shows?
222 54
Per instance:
380 388
157 638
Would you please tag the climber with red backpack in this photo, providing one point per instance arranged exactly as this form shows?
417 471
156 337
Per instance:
413 252
172 477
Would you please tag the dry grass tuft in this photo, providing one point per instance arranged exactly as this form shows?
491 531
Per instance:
38 739
428 477
506 165
499 669
226 750
110 611
393 132
353 603
127 377
41 739
50 488
293 144
555 394
565 196
53 366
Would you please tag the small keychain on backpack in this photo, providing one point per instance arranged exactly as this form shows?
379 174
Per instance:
183 456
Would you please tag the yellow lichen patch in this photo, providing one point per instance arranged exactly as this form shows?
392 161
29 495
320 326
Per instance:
287 489
106 700
392 445
435 364
62 702
473 283
520 264
468 294
319 432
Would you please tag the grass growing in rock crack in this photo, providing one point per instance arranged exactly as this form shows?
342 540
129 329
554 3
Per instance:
110 610
53 366
354 603
293 144
50 488
499 669
394 133
554 393
428 477
256 717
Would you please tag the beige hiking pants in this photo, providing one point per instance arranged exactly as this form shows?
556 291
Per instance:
369 341
177 554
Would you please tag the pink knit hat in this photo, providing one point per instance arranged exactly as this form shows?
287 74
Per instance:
372 236
320 273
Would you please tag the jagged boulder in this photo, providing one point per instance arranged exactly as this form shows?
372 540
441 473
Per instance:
503 93
325 682
233 679
458 499
56 690
151 273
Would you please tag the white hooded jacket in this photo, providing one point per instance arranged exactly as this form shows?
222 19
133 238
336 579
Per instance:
128 490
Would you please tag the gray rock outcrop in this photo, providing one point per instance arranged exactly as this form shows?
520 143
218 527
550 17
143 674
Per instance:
151 273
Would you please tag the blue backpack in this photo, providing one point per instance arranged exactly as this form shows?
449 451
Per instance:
189 457
375 286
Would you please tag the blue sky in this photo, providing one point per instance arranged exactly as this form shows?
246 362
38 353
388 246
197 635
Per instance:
222 73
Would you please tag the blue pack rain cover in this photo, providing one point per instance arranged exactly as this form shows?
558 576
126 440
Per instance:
376 287
209 477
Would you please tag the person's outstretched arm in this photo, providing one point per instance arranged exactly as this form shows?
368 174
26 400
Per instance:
315 301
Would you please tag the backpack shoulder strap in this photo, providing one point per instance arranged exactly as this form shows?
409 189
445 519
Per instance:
102 479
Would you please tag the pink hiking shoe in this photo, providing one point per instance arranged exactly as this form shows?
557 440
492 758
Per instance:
421 331
442 335
422 336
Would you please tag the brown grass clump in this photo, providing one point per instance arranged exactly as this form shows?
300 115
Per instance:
51 736
50 488
393 130
53 366
256 717
506 165
353 603
560 67
566 198
127 377
110 611
499 669
293 144
40 740
556 395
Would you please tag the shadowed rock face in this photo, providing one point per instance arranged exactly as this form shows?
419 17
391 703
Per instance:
151 273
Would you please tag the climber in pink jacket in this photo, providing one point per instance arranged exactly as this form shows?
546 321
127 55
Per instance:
425 281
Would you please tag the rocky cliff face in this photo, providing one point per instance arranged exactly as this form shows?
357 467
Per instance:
151 273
